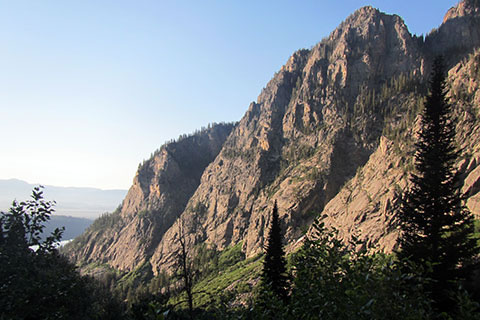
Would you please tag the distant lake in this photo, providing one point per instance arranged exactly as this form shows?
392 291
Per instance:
60 244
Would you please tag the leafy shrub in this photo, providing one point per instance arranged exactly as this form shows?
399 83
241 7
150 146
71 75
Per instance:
335 282
42 284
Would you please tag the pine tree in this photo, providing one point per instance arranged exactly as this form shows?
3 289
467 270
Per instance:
274 274
437 229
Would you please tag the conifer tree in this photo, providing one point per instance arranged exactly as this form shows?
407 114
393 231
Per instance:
274 274
437 229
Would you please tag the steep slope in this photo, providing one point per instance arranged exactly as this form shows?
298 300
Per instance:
458 34
306 135
330 133
161 188
367 205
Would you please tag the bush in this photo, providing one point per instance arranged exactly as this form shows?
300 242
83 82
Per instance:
42 284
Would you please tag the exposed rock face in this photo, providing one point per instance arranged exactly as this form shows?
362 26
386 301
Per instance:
296 144
367 204
458 34
464 80
331 133
463 9
159 194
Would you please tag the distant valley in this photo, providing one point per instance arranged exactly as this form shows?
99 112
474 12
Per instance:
73 226
76 208
87 203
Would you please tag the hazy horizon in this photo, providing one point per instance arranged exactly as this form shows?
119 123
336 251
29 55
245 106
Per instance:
70 201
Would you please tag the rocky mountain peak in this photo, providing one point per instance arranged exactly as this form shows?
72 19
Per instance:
323 136
462 9
368 20
459 33
368 44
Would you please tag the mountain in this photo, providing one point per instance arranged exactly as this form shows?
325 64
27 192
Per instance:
73 226
330 136
161 189
77 202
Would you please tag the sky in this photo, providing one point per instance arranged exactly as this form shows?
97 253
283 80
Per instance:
89 89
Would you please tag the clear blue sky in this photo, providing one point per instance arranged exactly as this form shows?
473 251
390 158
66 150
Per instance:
88 89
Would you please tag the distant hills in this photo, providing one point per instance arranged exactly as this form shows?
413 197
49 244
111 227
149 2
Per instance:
73 226
71 201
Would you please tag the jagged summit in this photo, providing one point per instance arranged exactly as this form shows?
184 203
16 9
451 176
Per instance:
458 35
361 19
463 9
366 15
326 136
368 46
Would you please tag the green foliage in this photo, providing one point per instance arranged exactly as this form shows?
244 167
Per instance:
269 305
392 108
23 225
106 221
295 153
42 284
296 89
233 153
459 89
218 270
142 214
142 274
147 306
372 102
437 227
159 297
218 290
334 282
227 126
331 281
229 257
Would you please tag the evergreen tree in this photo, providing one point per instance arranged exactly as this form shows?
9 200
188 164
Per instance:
437 229
274 274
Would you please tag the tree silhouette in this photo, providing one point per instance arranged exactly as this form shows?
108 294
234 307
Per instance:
38 284
436 227
274 274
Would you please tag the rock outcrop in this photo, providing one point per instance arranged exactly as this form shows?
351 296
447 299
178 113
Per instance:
459 33
160 191
367 204
331 133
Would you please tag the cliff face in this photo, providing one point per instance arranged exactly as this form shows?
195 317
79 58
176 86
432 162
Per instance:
330 134
160 191
458 34
299 142
367 204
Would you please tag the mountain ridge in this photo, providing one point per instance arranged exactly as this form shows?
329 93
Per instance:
333 120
